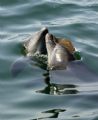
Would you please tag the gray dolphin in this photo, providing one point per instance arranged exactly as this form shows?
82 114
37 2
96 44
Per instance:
57 54
62 69
35 50
36 43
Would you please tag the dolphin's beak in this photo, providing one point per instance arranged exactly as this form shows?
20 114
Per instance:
57 54
36 43
50 46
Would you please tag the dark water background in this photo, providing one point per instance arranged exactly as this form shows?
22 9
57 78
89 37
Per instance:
32 95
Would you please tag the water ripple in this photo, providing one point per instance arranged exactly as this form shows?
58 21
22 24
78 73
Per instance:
33 94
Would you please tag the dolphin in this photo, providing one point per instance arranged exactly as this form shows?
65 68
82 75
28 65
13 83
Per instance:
63 66
36 43
38 47
59 60
57 54
34 48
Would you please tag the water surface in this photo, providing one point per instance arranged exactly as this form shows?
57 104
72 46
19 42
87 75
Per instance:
33 94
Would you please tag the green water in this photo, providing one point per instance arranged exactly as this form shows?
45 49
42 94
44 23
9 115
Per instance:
33 94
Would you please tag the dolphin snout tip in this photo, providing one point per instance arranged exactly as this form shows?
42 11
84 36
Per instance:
44 29
49 36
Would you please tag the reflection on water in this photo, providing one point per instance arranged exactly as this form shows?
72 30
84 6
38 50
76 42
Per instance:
57 89
54 113
72 19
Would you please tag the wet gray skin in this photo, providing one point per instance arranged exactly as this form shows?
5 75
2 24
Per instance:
50 45
36 43
57 54
42 44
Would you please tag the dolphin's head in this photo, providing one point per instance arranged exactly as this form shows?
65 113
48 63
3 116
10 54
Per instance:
59 58
57 54
36 43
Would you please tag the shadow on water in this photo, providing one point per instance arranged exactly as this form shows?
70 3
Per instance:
54 113
57 89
